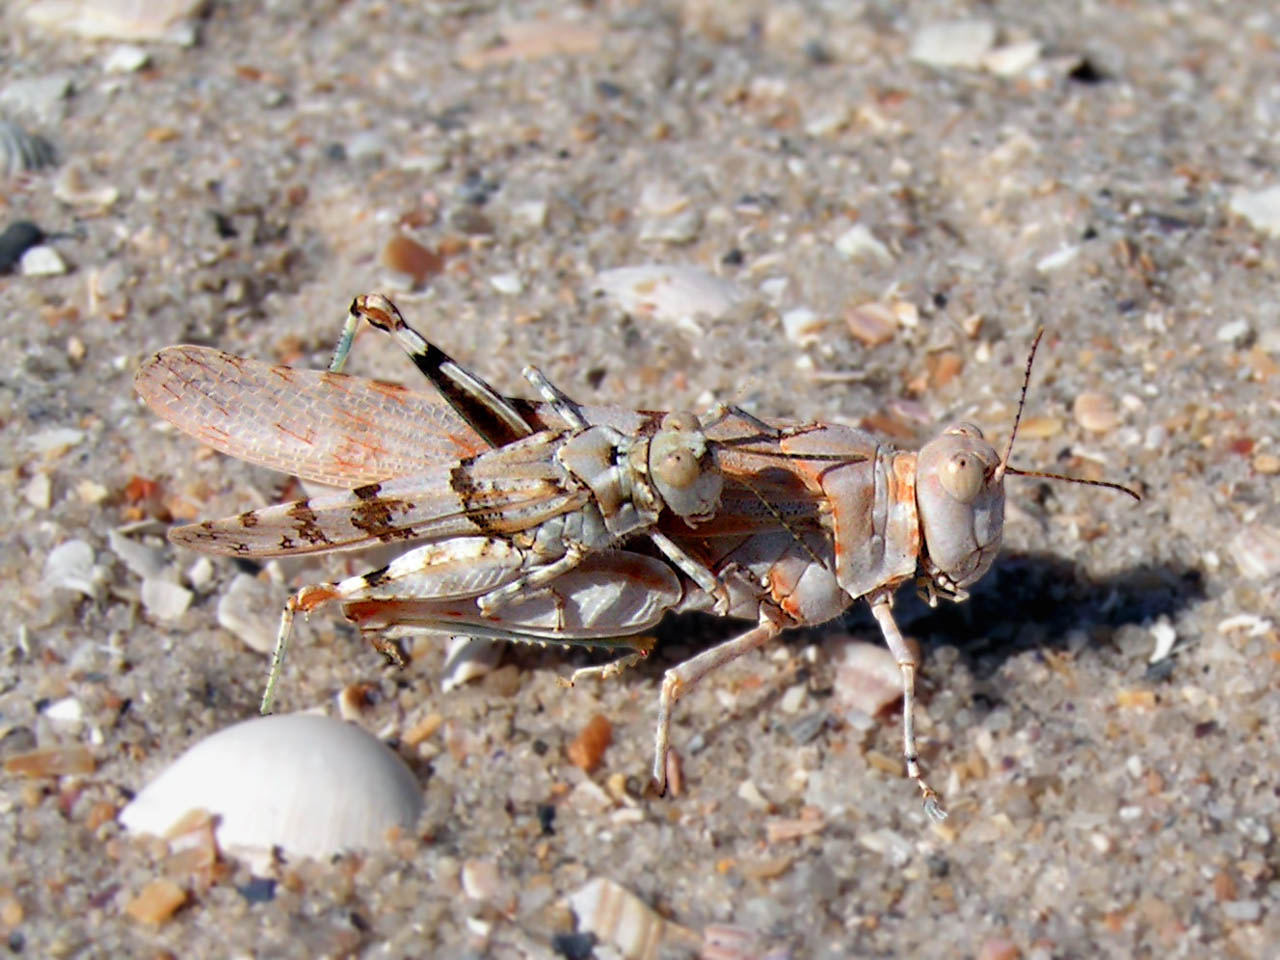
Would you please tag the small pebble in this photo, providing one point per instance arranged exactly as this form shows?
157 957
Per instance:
140 560
367 146
530 214
956 43
943 367
165 600
803 326
471 222
1096 412
246 610
807 728
1233 331
1012 58
1135 699
43 261
677 229
44 95
587 749
793 699
661 198
1165 637
891 845
407 256
1261 208
508 283
68 711
679 295
1039 427
258 890
353 701
872 323
38 491
1267 464
54 442
422 730
71 566
1249 623
156 902
126 58
859 243
750 793
1242 911
171 21
51 762
200 573
1058 259
998 948
827 120
73 187
468 659
481 880
779 829
1256 551
535 39
867 677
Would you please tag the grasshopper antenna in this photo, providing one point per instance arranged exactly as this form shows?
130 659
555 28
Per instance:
1004 467
1091 483
1017 417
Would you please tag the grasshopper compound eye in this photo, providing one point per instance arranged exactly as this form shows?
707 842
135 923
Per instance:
682 469
963 477
678 469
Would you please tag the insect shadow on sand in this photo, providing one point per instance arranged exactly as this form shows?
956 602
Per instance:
1028 601
1039 600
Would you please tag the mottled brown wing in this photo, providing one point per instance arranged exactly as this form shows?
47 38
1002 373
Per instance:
327 427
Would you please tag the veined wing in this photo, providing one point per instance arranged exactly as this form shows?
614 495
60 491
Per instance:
326 427
498 493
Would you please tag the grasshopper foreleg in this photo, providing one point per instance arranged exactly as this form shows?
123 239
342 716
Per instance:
882 609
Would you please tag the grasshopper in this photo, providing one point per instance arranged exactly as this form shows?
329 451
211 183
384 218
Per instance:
810 517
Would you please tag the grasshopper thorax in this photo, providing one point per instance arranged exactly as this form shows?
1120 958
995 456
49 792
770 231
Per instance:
960 502
682 468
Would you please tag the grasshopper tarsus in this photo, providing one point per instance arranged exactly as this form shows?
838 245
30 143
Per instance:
933 806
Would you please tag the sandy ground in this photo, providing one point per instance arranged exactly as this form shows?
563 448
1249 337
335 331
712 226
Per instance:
240 191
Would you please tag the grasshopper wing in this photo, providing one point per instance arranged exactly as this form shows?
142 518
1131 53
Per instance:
327 427
498 493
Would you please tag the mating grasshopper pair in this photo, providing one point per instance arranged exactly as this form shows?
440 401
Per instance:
529 520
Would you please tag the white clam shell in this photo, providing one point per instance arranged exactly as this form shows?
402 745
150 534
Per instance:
308 785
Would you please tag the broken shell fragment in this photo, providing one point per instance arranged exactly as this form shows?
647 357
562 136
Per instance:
303 784
1095 412
670 294
23 152
625 922
867 677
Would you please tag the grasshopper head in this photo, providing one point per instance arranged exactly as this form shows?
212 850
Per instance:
960 499
683 469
